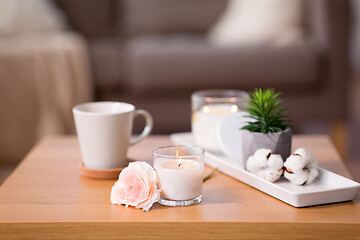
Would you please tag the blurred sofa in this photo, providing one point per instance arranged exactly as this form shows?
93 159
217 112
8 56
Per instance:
44 72
154 54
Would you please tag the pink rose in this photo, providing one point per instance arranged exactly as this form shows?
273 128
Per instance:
136 187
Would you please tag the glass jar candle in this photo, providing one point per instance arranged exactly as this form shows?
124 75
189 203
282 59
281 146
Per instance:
209 108
180 174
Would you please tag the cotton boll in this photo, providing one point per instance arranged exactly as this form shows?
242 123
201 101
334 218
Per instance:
302 152
275 161
271 174
260 173
301 167
311 159
251 165
295 162
298 178
261 157
312 162
313 173
265 165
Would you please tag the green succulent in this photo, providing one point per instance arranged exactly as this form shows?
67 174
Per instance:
263 107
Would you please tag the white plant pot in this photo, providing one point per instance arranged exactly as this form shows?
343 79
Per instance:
238 145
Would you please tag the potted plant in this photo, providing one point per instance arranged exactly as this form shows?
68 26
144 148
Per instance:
268 127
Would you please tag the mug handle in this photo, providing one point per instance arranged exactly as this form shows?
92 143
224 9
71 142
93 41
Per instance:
148 126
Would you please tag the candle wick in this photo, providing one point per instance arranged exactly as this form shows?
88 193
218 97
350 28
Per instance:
179 165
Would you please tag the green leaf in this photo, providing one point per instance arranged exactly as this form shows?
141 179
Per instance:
264 107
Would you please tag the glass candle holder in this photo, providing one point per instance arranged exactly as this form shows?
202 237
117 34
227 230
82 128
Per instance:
180 174
209 108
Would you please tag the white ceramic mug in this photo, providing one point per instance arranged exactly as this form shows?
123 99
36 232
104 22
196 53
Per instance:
104 130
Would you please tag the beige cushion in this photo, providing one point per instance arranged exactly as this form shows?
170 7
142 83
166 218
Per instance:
29 16
19 16
258 22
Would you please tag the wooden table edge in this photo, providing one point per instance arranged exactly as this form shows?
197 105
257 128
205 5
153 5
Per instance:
173 230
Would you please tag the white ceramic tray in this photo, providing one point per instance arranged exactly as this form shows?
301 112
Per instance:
327 188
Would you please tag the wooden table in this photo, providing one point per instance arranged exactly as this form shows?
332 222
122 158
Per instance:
47 198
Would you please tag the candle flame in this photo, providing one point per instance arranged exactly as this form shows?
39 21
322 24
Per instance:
234 108
206 109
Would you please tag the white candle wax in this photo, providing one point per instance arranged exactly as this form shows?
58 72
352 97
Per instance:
205 124
179 179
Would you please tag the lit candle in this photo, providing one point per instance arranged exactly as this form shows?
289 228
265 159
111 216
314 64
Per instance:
179 179
180 174
205 124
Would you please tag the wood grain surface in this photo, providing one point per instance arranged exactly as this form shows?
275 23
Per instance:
45 197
